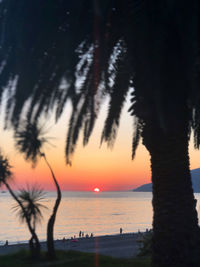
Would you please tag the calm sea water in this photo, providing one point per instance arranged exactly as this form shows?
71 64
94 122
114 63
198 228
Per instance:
98 213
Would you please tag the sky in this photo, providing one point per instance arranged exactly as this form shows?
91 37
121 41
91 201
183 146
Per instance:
92 166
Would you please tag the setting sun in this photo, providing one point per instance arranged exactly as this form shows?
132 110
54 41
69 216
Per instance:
96 190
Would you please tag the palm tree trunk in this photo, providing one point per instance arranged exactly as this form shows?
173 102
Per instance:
175 223
35 250
50 226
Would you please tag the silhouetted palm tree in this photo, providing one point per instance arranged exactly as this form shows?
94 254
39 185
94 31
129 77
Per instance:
5 176
29 140
30 198
110 47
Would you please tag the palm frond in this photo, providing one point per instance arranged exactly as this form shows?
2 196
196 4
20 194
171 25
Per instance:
117 96
30 198
5 169
29 140
137 130
79 40
76 123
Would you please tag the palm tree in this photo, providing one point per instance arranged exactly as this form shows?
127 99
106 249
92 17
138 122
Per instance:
5 176
111 47
29 140
30 199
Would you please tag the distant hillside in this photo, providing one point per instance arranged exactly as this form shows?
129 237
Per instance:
144 188
195 182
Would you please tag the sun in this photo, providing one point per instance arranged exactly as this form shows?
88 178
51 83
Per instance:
96 189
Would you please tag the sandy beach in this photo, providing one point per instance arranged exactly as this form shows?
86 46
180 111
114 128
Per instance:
118 246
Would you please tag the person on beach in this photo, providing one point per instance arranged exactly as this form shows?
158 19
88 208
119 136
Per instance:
120 230
6 244
80 234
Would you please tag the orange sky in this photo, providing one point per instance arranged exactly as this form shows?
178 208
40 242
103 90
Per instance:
92 166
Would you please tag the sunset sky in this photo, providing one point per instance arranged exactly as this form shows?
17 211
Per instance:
92 166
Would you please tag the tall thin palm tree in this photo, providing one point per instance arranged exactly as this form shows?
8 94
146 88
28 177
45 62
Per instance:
30 198
83 50
29 140
5 175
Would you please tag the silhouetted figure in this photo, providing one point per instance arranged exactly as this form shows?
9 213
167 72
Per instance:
120 230
80 234
6 244
91 235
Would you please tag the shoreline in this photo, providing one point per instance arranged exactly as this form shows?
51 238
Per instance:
118 246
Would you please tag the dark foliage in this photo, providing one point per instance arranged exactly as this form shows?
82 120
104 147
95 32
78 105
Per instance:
84 50
29 140
52 64
30 198
5 169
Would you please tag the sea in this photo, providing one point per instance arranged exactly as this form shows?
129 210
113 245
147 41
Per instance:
102 213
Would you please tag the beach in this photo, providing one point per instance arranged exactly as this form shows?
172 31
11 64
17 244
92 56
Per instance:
117 246
101 214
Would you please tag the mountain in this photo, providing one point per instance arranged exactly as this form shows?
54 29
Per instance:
195 183
143 188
